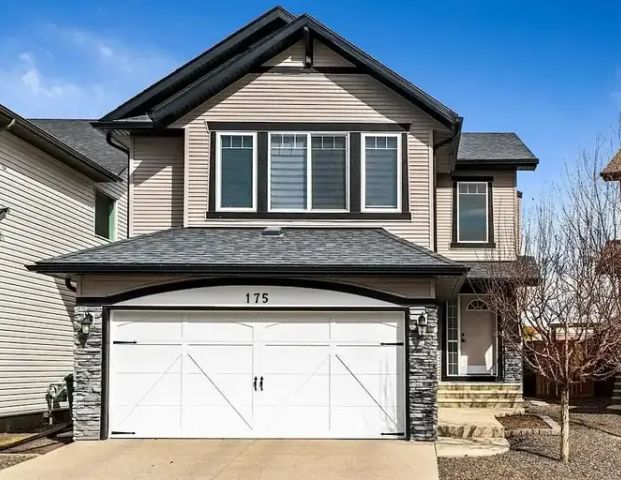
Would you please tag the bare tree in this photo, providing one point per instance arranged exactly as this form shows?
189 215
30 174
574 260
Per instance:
564 314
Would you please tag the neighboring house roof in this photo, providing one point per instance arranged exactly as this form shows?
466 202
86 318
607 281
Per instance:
80 135
207 78
249 250
494 150
612 171
56 147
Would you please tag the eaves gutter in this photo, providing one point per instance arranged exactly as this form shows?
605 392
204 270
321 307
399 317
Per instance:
477 164
83 268
27 131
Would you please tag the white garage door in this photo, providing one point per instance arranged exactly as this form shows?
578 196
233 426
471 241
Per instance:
257 374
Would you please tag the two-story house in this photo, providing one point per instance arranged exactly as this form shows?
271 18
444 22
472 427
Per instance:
308 235
62 188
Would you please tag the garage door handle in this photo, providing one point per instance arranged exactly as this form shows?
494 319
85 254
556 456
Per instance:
254 384
261 384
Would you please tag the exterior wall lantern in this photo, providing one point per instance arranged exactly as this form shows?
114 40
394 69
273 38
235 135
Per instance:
3 212
418 327
85 326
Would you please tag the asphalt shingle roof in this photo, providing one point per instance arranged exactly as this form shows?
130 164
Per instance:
80 135
248 250
475 146
481 271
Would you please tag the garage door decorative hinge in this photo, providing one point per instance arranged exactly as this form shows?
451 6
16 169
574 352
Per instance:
115 432
396 434
124 342
385 344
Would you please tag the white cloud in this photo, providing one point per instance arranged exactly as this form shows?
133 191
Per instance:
68 72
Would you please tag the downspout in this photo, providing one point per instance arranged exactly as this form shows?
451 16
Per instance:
112 143
452 160
69 285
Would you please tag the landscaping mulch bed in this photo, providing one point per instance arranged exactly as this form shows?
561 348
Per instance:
595 453
519 422
20 453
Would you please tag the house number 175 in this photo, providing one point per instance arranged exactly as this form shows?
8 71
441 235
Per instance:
257 297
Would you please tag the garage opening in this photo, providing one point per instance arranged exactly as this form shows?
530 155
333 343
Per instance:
256 373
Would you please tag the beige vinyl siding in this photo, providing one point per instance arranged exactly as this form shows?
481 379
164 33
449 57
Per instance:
100 285
156 183
52 213
505 207
313 98
294 57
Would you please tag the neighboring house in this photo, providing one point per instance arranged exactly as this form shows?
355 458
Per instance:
64 189
612 173
309 236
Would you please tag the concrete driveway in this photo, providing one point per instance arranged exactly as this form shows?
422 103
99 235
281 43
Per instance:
232 459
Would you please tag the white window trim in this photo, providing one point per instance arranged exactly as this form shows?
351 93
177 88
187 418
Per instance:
309 173
219 207
363 180
115 209
486 212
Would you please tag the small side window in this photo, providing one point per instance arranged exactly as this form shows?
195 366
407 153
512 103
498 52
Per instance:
472 212
105 216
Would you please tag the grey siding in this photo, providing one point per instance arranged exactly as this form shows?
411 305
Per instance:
156 183
52 213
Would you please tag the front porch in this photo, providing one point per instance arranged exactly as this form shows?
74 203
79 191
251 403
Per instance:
476 371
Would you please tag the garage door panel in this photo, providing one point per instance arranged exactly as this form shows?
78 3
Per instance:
210 359
282 391
365 390
294 359
220 421
293 421
217 390
226 327
147 420
293 329
360 421
369 360
367 327
146 389
148 326
140 359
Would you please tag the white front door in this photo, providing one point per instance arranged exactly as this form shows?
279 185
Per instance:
257 374
478 336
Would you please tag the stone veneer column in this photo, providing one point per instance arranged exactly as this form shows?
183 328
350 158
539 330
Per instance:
513 366
87 358
423 374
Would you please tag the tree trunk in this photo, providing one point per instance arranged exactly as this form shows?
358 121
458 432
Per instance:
565 423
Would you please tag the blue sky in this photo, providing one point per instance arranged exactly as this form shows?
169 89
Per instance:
550 71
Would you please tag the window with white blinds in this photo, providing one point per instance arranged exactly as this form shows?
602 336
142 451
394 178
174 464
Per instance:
308 172
381 171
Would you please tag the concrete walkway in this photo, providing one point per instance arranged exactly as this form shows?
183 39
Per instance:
232 459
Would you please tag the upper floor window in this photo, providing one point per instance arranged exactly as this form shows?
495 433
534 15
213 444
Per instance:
307 172
105 216
236 172
381 172
472 212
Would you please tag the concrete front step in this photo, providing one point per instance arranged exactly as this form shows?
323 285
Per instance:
469 404
475 386
478 394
